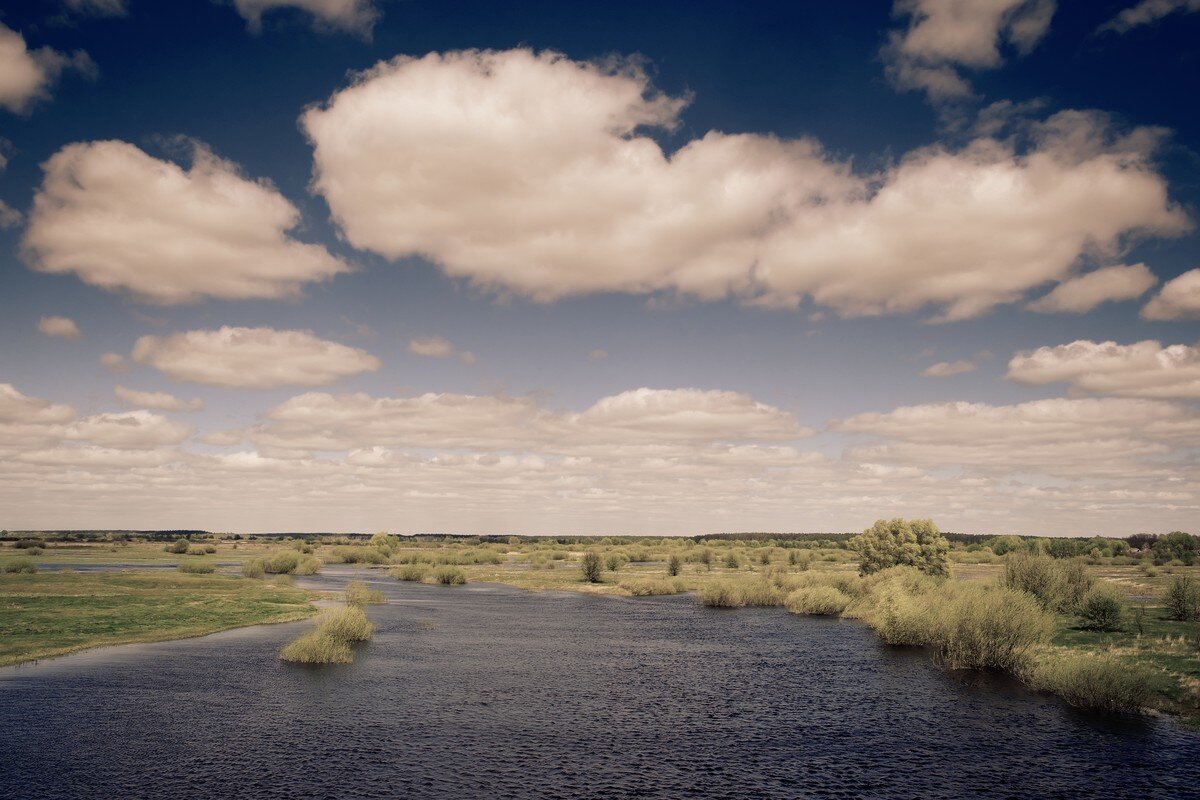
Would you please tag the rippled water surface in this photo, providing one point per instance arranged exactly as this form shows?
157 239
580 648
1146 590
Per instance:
485 691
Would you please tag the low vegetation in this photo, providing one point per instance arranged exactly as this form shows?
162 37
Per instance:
1092 680
450 576
331 640
52 613
652 587
197 567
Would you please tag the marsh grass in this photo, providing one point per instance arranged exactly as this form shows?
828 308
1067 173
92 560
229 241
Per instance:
652 587
450 576
359 594
408 572
281 562
820 600
329 642
24 566
740 592
1096 681
197 567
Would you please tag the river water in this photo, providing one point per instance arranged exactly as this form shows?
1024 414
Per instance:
487 691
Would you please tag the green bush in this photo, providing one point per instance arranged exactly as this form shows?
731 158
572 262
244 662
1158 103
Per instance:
197 567
1182 598
1103 608
197 550
349 624
21 565
358 555
1101 682
974 626
759 592
719 594
179 546
900 542
253 568
652 587
817 600
450 576
674 565
615 561
316 647
1058 585
408 572
732 561
359 594
591 566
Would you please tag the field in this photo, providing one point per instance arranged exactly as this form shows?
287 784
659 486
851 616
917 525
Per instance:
52 613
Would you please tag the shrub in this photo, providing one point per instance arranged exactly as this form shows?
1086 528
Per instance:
720 594
974 626
349 624
408 572
615 561
197 567
316 647
21 565
674 565
253 568
359 594
212 548
759 592
652 587
899 616
358 555
801 559
732 561
916 543
1102 682
817 600
1057 585
179 546
590 566
1103 608
196 550
450 576
1182 598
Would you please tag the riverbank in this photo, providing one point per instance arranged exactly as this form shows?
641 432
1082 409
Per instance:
53 613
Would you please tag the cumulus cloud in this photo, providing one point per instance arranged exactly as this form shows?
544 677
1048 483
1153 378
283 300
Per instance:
59 327
1178 299
1108 284
944 369
1148 12
945 36
644 461
123 220
27 76
324 422
114 362
438 347
1142 369
355 16
255 358
530 173
160 401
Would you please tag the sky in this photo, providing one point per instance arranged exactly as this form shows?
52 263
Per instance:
600 268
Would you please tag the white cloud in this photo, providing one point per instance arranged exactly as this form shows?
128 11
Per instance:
944 369
1148 12
115 362
1143 369
642 417
944 36
26 76
1108 284
644 461
128 430
1179 299
355 16
60 327
123 220
160 401
439 347
256 358
528 173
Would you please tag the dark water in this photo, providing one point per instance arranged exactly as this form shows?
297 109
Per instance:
485 691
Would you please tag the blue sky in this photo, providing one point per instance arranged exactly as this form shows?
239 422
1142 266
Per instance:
594 267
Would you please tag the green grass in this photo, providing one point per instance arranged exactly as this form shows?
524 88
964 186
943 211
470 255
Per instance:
329 642
52 613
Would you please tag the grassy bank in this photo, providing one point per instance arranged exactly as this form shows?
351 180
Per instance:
52 613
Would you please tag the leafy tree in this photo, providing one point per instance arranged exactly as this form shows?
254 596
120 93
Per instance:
899 542
1003 545
1182 598
591 567
1176 545
1103 608
178 546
